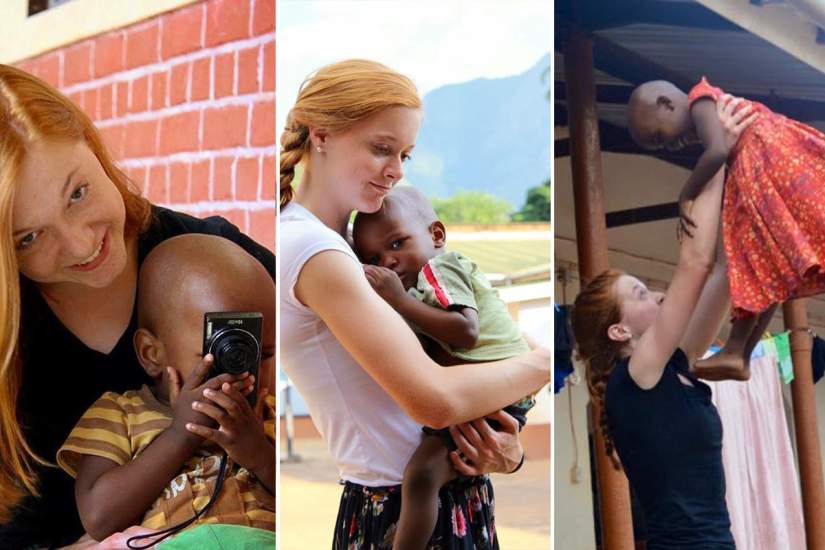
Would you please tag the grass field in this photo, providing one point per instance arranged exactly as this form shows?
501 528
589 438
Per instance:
504 256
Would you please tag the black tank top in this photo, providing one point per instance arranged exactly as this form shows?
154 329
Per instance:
669 439
62 378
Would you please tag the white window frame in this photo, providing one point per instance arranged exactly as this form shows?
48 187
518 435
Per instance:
25 37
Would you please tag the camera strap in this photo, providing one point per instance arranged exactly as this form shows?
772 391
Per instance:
169 531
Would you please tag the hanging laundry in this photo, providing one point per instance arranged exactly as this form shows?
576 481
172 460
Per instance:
763 494
563 350
818 358
783 356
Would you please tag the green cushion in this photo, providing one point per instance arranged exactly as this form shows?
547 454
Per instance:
221 537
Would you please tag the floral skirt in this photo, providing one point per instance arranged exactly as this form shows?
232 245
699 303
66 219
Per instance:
367 517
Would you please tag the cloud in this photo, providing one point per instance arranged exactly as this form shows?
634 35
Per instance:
433 42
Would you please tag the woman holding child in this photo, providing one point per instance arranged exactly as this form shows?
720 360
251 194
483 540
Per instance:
639 348
365 377
74 235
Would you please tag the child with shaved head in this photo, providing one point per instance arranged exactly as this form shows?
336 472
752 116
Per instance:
449 301
773 217
151 456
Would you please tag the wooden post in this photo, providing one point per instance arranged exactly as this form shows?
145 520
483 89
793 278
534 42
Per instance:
804 416
591 239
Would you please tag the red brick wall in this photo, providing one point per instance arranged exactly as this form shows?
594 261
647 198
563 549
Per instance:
186 103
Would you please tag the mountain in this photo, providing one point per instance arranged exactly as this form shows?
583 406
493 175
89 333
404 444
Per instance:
490 135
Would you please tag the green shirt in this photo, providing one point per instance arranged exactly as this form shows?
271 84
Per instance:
451 280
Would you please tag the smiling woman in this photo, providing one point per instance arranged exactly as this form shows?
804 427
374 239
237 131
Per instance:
73 234
20 127
70 227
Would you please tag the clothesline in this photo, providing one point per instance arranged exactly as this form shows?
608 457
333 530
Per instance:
775 345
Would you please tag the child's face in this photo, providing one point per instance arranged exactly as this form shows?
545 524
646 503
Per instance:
399 241
666 125
184 343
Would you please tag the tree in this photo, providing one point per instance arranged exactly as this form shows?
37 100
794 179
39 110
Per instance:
537 206
473 207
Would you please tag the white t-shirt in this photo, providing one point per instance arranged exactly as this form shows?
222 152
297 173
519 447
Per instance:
367 433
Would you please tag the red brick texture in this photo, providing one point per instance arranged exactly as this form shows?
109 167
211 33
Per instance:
185 101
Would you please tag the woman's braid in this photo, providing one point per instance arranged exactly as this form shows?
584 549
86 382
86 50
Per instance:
294 141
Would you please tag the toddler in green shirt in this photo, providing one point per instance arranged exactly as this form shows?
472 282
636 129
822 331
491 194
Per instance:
450 303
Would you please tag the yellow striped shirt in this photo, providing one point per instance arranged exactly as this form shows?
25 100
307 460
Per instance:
119 427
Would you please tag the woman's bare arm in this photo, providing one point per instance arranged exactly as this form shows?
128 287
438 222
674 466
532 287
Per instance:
334 287
696 259
710 313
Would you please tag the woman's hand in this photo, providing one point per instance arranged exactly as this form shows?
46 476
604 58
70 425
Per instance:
116 541
483 450
733 124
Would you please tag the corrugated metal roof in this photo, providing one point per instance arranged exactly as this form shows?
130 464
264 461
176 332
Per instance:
738 62
735 60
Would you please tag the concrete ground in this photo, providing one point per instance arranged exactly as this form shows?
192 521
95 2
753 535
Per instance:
309 495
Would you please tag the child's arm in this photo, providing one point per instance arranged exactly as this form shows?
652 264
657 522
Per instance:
713 122
710 131
240 431
111 497
457 326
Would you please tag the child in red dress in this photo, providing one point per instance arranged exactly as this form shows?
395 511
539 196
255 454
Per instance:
774 206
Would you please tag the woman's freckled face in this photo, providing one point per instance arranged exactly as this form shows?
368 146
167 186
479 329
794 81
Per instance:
365 162
68 217
638 304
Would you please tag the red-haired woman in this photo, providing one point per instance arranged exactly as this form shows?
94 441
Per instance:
639 347
364 375
73 232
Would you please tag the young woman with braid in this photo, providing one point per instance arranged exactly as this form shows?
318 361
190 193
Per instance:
638 347
367 382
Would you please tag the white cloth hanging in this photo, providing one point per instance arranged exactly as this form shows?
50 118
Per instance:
763 494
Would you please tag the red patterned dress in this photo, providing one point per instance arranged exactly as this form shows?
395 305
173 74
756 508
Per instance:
773 217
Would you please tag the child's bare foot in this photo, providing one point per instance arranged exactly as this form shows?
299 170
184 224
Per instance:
722 365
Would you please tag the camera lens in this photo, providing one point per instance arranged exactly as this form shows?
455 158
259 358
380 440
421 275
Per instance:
236 351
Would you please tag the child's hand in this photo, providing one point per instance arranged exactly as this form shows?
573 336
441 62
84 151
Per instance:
386 283
183 394
685 221
240 431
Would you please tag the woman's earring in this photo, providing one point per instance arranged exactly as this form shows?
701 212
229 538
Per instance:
318 149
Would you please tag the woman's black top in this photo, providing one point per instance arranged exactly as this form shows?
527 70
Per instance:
669 440
62 377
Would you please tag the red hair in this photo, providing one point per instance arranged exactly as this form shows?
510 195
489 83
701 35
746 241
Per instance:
336 97
596 308
32 110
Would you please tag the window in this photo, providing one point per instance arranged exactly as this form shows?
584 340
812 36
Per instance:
36 6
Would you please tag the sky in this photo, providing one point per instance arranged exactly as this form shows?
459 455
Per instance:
434 42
